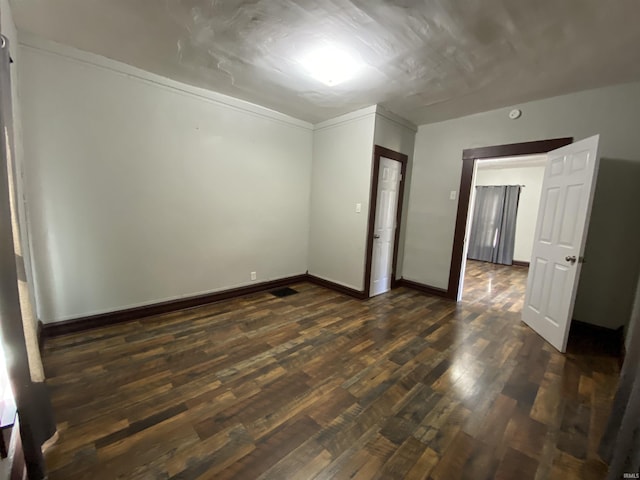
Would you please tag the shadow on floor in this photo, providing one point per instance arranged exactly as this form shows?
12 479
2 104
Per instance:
587 339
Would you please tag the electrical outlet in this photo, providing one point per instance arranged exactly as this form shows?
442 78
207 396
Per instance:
253 275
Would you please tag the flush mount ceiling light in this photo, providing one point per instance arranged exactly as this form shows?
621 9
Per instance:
331 65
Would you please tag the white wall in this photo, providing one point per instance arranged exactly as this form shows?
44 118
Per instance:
142 189
528 205
341 178
394 132
399 135
604 295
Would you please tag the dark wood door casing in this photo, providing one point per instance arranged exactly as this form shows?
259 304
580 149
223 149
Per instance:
469 157
378 153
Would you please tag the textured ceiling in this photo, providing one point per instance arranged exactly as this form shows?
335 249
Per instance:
425 60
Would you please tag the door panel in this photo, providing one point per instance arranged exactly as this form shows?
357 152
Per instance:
569 222
565 208
548 212
385 225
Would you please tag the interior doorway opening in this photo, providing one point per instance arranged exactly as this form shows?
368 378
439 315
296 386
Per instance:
469 158
560 233
385 216
501 221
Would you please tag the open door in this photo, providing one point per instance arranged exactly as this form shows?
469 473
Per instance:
558 248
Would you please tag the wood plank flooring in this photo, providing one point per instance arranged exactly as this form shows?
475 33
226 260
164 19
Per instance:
493 286
318 385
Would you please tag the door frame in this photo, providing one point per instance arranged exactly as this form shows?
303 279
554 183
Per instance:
36 421
469 157
378 153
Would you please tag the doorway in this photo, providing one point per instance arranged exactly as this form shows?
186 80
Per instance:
385 216
503 208
469 158
560 235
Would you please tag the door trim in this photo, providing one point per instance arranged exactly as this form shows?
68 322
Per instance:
469 157
378 153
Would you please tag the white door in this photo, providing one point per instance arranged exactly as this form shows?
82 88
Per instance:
385 225
561 230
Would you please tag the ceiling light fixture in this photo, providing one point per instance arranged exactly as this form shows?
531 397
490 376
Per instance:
331 65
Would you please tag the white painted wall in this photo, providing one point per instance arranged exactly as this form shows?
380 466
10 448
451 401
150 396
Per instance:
608 280
341 177
142 189
528 205
399 135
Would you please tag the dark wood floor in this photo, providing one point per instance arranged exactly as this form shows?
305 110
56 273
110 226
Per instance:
493 286
319 385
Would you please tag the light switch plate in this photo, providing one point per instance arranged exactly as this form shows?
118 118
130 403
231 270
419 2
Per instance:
358 207
452 195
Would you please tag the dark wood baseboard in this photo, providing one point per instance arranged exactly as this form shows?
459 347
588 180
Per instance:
421 287
514 263
103 319
94 321
361 295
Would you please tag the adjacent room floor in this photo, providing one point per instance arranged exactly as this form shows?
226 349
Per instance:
320 385
495 286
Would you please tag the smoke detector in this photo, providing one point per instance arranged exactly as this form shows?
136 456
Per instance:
515 113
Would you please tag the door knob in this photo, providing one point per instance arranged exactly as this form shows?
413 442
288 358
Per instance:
376 236
571 259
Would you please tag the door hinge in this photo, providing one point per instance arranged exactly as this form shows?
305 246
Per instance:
582 260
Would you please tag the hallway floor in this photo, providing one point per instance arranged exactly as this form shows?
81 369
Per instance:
495 286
